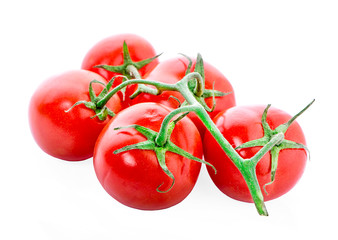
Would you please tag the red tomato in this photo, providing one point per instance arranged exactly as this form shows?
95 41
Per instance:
132 177
109 51
173 70
241 124
72 135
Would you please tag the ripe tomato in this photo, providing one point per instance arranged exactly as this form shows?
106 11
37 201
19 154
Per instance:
241 124
72 135
172 71
132 177
109 51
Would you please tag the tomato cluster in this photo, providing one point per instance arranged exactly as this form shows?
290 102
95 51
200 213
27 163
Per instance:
72 119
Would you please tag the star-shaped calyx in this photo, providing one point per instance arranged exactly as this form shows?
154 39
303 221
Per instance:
160 151
127 61
200 93
129 69
268 134
101 112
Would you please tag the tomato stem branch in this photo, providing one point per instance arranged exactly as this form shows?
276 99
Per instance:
134 73
247 167
159 86
163 133
193 97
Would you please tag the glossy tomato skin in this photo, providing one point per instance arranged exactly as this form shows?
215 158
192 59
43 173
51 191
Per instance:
173 70
109 51
132 177
241 124
72 135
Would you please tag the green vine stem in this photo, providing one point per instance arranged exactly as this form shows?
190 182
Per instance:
133 72
247 167
192 89
160 87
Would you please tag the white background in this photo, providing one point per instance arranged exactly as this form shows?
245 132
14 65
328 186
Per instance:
279 52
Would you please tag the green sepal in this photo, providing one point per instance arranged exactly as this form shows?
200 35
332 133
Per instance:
100 112
268 134
193 86
122 69
274 163
189 65
283 128
210 93
160 151
199 68
146 145
254 143
117 69
147 132
89 105
105 91
92 95
103 113
176 99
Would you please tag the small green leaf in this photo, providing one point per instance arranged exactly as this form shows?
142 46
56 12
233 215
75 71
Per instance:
177 100
254 143
146 145
145 62
274 163
116 69
175 149
89 105
284 127
148 133
210 93
160 153
266 128
199 66
189 65
126 54
92 95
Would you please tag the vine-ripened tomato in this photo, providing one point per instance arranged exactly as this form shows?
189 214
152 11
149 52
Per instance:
132 177
242 124
67 135
109 51
173 70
